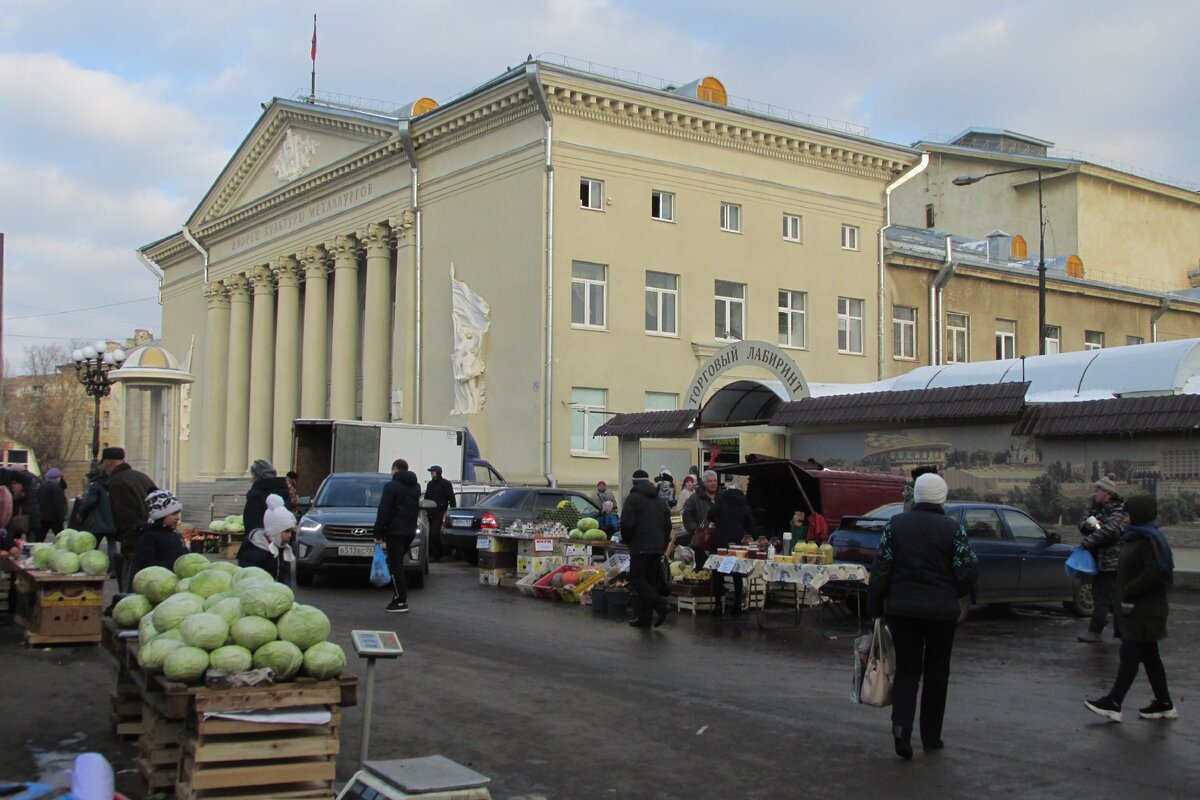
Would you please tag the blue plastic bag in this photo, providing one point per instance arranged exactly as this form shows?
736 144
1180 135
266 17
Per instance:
1080 563
380 574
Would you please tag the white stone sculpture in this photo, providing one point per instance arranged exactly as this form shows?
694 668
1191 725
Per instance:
470 315
295 156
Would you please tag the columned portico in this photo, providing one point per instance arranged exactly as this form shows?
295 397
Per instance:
403 326
314 388
237 404
216 375
377 351
287 359
262 362
343 390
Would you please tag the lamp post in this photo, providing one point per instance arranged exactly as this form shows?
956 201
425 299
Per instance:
967 180
92 365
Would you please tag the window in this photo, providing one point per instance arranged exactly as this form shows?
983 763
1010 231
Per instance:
731 217
904 332
849 237
1093 340
662 297
587 413
662 206
1134 340
929 215
793 331
958 338
850 325
1006 338
591 194
730 310
106 419
791 227
662 401
587 294
981 523
1053 339
1023 528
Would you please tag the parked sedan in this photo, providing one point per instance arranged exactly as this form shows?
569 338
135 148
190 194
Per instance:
1019 560
511 504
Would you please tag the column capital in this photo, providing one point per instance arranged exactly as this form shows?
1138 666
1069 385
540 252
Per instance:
403 227
314 261
216 295
343 248
287 272
262 279
375 237
238 288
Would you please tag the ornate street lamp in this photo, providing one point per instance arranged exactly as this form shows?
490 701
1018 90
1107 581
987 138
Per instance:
92 365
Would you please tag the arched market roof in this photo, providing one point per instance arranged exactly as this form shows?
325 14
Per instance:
152 363
743 401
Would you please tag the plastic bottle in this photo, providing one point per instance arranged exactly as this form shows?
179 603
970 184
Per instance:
770 552
787 543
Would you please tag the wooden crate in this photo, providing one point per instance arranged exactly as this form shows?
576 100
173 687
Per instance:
58 609
697 604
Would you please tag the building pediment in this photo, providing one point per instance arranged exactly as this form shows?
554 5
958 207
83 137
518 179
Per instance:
291 141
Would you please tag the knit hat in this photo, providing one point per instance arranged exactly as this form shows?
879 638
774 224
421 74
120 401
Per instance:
607 507
115 453
53 474
261 468
1142 508
277 519
1108 484
601 483
930 488
641 474
162 504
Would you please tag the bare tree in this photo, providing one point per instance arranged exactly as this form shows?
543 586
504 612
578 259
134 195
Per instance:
46 408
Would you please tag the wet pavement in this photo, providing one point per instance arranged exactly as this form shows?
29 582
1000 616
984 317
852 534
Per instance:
552 702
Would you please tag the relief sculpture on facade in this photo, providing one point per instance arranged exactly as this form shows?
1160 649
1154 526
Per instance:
470 315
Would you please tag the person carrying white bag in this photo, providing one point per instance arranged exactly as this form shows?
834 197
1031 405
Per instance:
923 565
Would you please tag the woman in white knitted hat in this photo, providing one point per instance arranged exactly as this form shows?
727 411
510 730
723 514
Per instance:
157 543
269 547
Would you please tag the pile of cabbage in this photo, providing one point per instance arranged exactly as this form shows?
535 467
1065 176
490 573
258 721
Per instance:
217 615
71 552
231 524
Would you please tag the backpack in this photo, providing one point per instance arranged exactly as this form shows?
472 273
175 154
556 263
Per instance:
666 492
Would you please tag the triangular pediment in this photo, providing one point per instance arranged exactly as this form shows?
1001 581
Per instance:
290 141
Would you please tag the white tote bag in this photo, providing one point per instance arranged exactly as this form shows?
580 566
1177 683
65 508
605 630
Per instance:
881 668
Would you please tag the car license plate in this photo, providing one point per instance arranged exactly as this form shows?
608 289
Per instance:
356 550
461 522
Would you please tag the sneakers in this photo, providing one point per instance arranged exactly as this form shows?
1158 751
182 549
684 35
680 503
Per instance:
396 607
1159 710
1105 708
1091 637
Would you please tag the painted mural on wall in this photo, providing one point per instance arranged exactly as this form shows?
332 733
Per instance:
1050 478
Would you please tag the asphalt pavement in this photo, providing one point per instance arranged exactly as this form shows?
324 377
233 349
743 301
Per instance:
552 702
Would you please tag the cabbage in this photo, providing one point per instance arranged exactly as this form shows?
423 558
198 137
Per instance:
81 542
217 525
63 539
42 553
128 611
208 582
324 660
157 583
64 562
172 611
93 562
152 655
184 585
253 632
251 576
213 599
146 630
304 626
271 600
283 658
189 564
227 567
229 609
231 658
204 630
185 664
172 634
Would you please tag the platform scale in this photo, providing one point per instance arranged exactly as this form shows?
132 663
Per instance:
427 778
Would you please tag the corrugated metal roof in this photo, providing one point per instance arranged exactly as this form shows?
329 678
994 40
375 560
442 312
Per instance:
957 402
650 424
1117 417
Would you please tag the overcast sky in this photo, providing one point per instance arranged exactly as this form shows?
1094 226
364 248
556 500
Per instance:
118 116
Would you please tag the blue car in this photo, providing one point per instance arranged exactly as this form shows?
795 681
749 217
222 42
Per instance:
1019 560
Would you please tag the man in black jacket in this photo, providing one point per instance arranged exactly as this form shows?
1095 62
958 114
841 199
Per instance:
645 528
440 491
127 492
396 527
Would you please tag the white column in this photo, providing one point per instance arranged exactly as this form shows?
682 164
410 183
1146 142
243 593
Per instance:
404 329
237 404
262 363
314 387
287 360
377 324
216 378
343 389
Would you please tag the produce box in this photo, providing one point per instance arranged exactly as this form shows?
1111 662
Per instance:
490 560
577 554
491 577
539 547
58 609
540 564
498 544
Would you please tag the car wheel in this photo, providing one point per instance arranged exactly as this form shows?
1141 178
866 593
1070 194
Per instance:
964 608
415 579
1082 602
304 578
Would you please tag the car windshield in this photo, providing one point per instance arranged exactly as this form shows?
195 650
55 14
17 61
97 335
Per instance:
505 498
359 491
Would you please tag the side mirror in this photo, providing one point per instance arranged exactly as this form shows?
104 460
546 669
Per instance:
304 501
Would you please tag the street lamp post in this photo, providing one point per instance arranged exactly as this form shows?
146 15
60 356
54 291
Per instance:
92 365
967 180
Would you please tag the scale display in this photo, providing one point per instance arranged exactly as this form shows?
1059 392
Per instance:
376 644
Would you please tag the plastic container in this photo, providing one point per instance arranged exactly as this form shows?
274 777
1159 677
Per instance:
599 601
617 601
787 543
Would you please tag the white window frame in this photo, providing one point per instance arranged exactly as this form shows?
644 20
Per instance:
595 194
725 305
731 217
793 228
953 333
592 416
849 237
904 334
662 401
788 311
847 322
661 296
1093 345
1006 340
590 285
1056 338
666 200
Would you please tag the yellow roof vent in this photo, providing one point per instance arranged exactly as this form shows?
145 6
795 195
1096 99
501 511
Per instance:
1075 266
1020 250
418 107
708 89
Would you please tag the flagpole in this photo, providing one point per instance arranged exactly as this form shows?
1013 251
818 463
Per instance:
313 88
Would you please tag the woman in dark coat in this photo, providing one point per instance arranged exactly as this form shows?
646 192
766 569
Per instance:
923 565
1144 577
732 521
157 543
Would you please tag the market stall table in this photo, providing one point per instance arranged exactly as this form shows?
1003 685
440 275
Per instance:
814 577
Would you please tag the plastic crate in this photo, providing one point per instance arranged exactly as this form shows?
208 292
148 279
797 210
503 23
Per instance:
542 587
526 585
575 593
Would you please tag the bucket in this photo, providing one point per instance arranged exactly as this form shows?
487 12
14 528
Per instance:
599 597
617 601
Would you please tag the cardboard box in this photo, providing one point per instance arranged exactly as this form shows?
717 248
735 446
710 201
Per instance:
527 564
490 560
491 577
539 548
498 544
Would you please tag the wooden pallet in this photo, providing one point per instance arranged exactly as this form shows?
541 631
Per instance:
159 750
695 603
